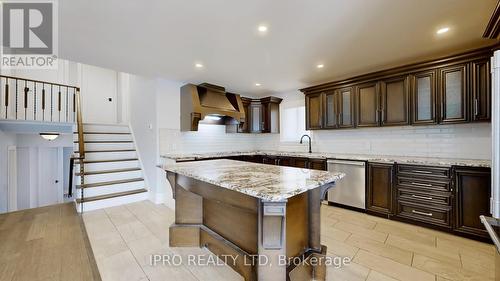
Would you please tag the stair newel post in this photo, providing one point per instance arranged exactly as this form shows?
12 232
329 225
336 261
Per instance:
81 144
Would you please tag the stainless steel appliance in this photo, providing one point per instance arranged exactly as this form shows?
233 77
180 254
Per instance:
350 190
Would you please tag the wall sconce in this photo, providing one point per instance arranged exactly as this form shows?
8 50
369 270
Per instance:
49 136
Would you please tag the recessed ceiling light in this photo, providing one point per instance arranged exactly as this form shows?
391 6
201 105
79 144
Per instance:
262 28
320 65
257 84
443 30
198 65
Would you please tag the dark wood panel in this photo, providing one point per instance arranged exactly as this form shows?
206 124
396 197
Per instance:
394 101
481 90
297 222
222 218
472 193
453 94
331 110
367 99
345 98
318 164
423 97
314 108
429 214
379 194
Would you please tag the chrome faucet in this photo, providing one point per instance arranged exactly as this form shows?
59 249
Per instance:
310 151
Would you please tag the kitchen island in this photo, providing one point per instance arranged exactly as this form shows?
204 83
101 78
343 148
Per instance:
255 217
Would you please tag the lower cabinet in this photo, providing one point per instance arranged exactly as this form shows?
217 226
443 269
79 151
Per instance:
472 199
379 191
298 162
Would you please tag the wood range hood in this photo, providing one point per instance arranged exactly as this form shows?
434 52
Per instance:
209 104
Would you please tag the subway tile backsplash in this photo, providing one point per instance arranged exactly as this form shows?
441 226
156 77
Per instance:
444 141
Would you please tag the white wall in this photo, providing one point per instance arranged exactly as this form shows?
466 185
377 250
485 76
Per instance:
6 140
28 145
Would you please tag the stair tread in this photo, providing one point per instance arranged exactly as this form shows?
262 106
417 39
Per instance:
108 160
107 150
107 141
110 171
104 183
104 133
111 195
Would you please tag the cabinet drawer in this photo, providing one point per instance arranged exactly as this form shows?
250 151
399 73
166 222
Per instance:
423 184
434 198
425 214
424 171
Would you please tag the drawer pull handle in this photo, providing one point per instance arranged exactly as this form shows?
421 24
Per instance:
422 184
421 197
421 213
422 172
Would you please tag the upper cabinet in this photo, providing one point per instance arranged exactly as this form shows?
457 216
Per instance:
368 113
453 94
455 89
481 90
345 101
261 115
423 97
314 111
394 101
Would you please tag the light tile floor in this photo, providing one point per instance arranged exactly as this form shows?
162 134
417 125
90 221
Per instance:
123 239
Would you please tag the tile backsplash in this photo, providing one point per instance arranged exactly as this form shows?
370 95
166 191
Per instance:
444 141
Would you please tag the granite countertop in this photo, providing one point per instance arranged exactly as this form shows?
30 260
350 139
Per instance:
432 161
266 182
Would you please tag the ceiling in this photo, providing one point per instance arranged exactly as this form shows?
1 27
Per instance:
165 38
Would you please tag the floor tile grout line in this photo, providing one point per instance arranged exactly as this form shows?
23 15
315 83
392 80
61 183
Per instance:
128 248
187 268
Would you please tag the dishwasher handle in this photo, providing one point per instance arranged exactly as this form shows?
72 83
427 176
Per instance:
347 162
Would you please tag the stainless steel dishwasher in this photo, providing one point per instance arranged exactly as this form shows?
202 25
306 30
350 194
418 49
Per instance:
350 190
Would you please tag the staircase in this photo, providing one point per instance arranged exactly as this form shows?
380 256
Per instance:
112 173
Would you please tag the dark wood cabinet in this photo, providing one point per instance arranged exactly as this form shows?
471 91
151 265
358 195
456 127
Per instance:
314 111
481 90
367 101
423 97
394 101
331 110
270 114
261 116
472 199
317 164
454 89
453 94
245 127
379 192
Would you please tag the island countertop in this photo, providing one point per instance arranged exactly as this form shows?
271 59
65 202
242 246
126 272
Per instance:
266 182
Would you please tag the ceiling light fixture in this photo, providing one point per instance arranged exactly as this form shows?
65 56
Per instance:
198 65
262 28
320 65
49 136
443 30
258 84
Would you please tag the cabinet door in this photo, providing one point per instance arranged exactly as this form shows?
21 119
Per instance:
331 110
245 127
423 96
269 160
301 163
317 164
379 188
453 94
345 98
314 108
394 101
481 91
285 161
256 118
472 199
367 99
